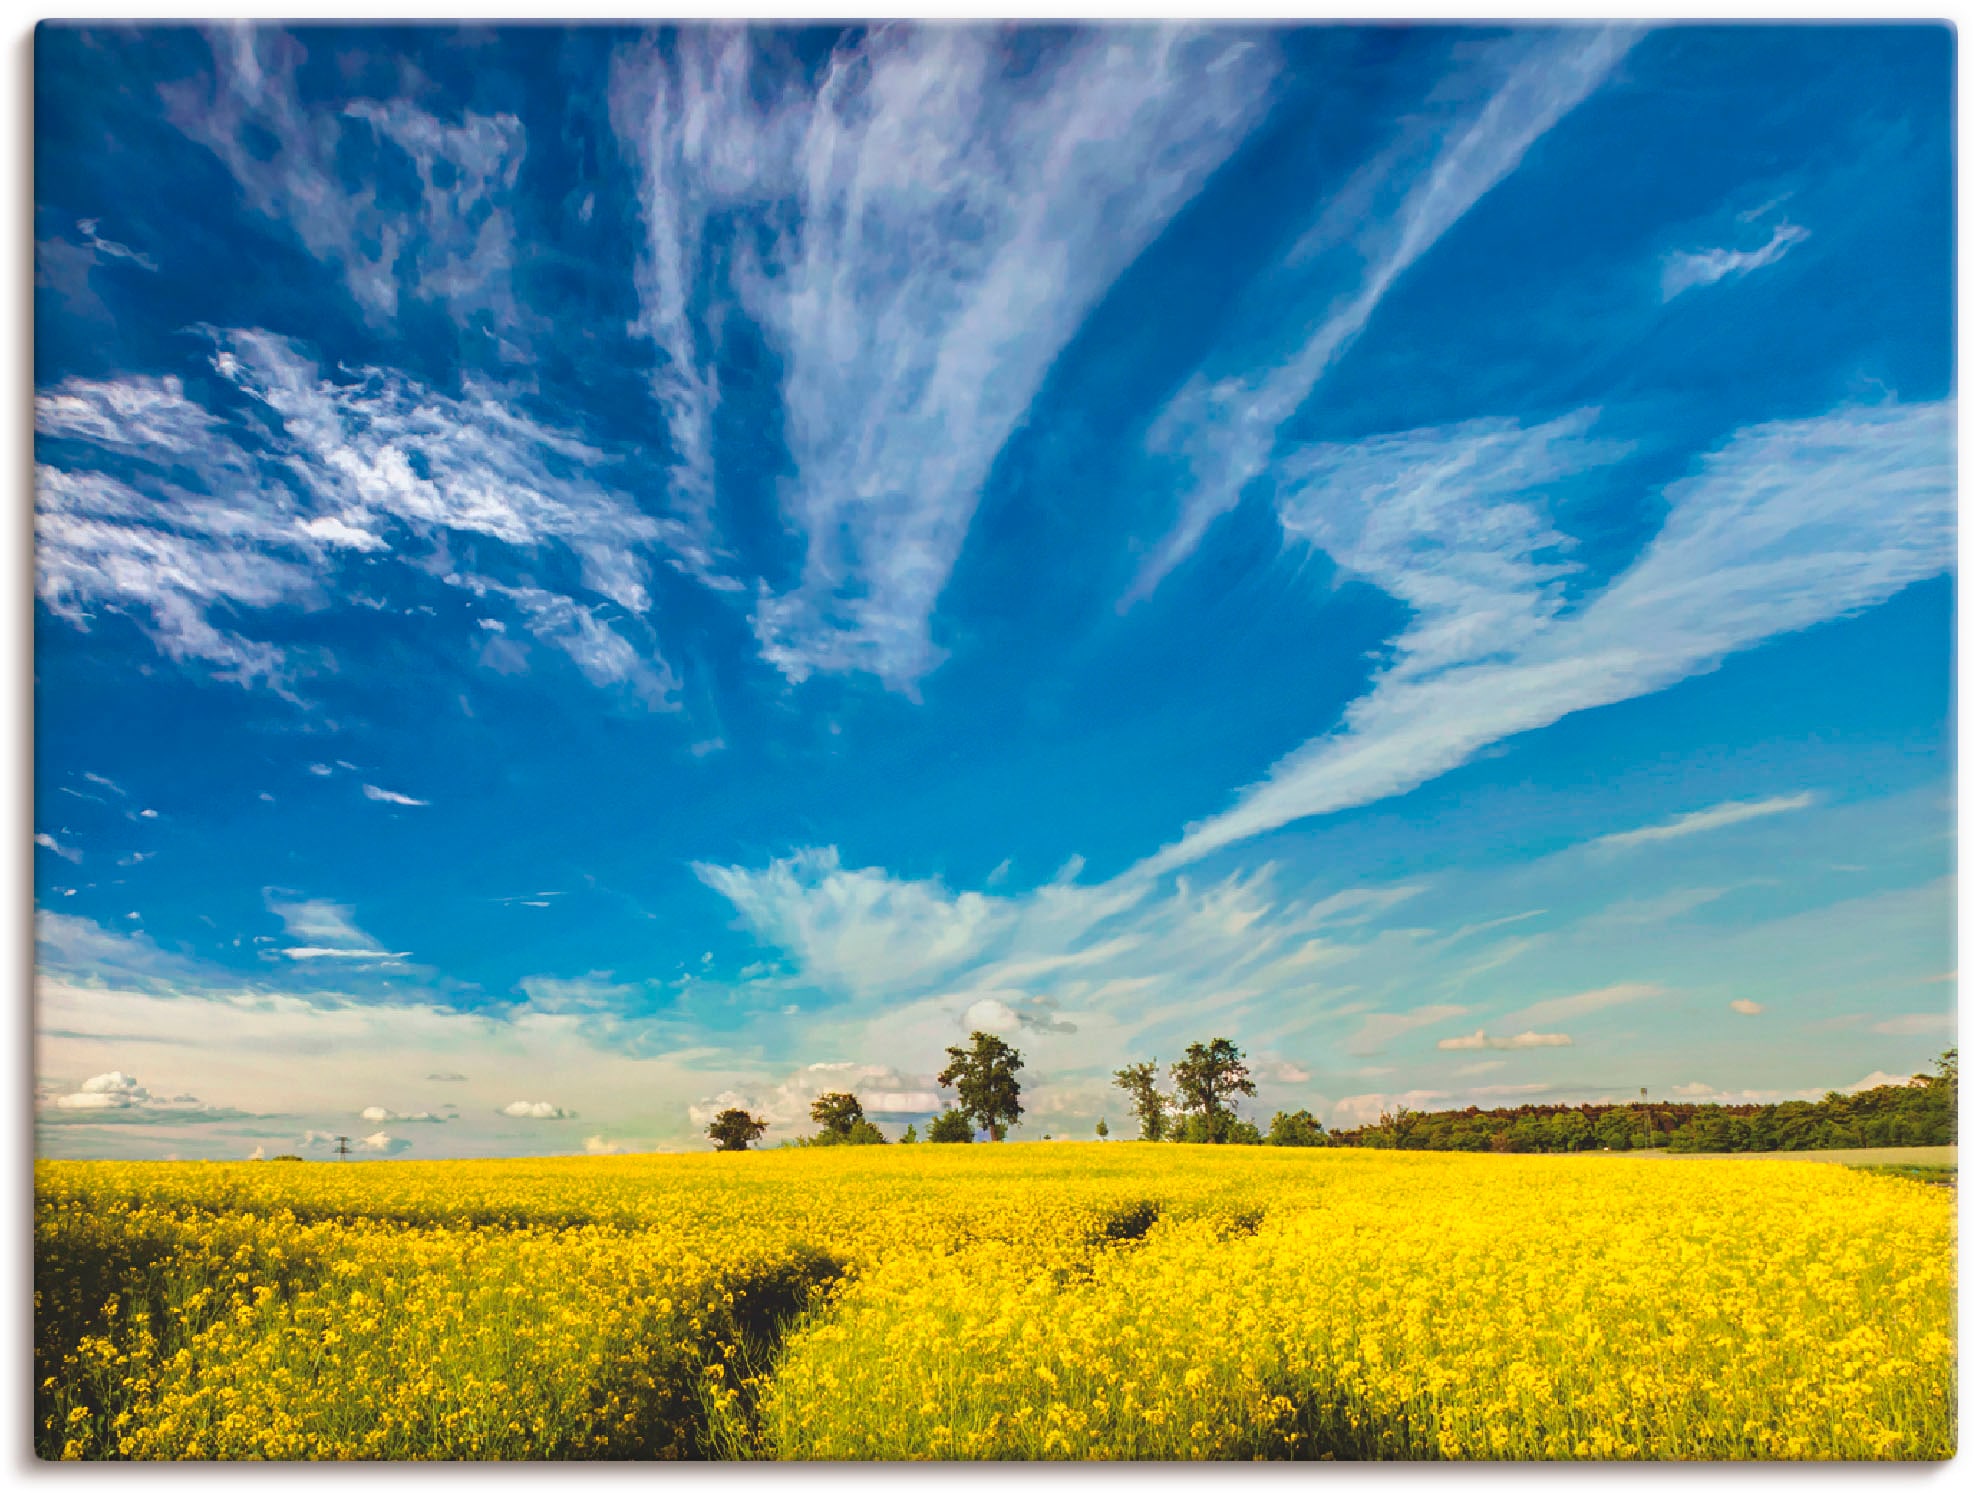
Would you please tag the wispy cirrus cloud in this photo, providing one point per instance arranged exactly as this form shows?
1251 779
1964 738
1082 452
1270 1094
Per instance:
1224 426
1687 269
1566 1007
194 522
940 224
327 933
858 930
1700 821
1783 526
455 246
386 796
1380 1028
1917 1024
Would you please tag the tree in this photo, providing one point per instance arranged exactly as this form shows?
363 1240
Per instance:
984 1076
1206 1078
1296 1129
1149 1104
951 1127
1101 1130
836 1114
734 1129
908 1137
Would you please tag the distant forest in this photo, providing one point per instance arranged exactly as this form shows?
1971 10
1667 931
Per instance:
1918 1113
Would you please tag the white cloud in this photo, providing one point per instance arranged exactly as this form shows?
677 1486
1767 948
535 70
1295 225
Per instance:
1380 1028
1225 428
307 951
1686 268
329 932
1747 1007
118 1097
785 1104
1478 1040
454 247
1472 1069
1567 1007
595 992
597 1145
1922 1024
540 1109
311 469
1784 526
1366 1109
387 796
377 1114
941 223
1701 820
1877 1080
859 931
67 852
385 1145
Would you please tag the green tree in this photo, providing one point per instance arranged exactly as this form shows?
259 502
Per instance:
984 1076
951 1128
1296 1129
908 1136
1150 1105
1101 1130
734 1129
836 1114
1206 1078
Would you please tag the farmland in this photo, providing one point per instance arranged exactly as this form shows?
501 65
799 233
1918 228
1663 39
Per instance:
1019 1301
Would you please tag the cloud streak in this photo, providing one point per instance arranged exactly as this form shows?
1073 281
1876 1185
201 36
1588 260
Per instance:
1687 269
1783 526
1224 429
939 226
1701 821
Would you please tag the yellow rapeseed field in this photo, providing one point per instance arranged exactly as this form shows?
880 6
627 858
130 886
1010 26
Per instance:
984 1301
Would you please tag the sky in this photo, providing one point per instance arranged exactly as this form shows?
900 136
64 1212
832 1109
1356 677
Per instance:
589 576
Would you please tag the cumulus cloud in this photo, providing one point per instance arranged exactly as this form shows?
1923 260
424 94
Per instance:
938 226
1702 820
118 1098
1877 1080
377 1114
785 1104
540 1109
384 1145
1478 1040
1747 1008
598 1145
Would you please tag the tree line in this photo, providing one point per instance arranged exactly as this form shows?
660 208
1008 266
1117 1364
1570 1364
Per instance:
1919 1112
1198 1108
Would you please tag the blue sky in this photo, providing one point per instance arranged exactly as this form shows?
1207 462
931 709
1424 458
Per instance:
588 576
